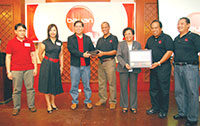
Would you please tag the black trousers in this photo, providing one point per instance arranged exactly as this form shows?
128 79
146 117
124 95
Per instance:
159 87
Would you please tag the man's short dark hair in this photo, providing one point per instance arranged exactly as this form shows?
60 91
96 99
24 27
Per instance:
160 23
20 24
78 21
105 22
128 28
186 19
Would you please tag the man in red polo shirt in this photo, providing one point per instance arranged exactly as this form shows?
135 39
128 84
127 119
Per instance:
21 66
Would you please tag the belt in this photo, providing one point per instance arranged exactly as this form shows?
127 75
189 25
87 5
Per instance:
185 63
107 59
51 59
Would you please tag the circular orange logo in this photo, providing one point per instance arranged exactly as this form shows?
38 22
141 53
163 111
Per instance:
80 13
195 22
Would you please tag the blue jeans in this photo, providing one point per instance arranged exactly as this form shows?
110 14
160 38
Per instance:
82 72
187 90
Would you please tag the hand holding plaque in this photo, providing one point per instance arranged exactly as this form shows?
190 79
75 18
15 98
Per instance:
140 59
93 53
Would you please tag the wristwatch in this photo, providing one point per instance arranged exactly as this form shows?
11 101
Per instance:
8 72
159 63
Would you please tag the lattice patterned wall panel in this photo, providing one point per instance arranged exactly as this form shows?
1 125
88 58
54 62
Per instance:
66 69
6 25
94 69
66 64
150 14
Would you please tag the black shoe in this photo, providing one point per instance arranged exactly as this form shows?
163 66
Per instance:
133 110
191 123
124 110
177 116
162 115
56 108
152 111
50 111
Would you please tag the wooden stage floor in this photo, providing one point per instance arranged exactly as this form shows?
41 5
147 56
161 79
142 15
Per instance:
98 116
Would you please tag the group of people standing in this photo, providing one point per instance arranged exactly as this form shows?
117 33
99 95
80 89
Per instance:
186 50
21 65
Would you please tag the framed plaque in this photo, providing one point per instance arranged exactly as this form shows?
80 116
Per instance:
93 53
140 58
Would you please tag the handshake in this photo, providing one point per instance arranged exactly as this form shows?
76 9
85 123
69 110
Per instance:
90 53
93 53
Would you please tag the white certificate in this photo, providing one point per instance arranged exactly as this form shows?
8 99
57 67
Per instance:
140 59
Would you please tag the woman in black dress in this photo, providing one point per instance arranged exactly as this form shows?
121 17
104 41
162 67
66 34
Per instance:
51 67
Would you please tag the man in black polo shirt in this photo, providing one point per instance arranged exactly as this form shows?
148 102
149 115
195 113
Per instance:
161 45
107 46
186 72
